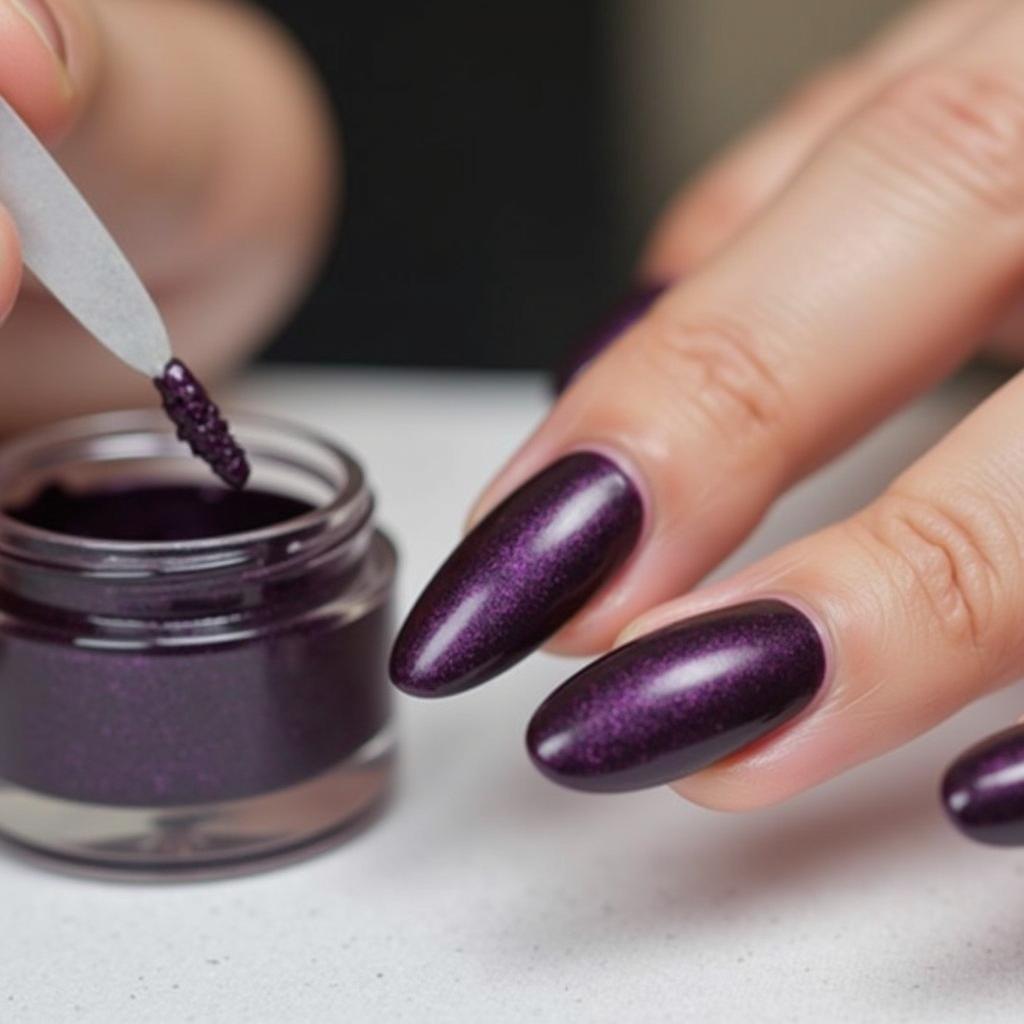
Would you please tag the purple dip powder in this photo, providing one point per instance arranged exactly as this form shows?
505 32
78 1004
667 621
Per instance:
200 672
88 714
200 423
155 512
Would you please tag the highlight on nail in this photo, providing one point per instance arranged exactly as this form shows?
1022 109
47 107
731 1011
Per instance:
681 699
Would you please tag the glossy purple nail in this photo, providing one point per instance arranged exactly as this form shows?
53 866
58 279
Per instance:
676 701
983 790
521 573
618 319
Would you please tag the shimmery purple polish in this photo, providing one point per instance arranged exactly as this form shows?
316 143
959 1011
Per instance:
519 575
616 321
200 423
676 701
983 791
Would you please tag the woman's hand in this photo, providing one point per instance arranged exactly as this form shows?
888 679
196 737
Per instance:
847 256
201 139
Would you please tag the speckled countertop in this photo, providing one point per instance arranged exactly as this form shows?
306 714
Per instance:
488 895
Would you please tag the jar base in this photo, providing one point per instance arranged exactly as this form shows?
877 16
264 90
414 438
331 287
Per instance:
203 841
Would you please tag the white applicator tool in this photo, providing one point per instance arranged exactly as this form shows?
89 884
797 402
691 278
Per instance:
67 247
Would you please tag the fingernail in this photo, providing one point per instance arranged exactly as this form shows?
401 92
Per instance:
678 700
983 791
616 321
521 573
42 19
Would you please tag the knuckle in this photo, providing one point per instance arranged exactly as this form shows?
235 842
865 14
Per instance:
955 127
946 559
724 374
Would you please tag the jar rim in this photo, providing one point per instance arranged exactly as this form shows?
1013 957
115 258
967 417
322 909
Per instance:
344 512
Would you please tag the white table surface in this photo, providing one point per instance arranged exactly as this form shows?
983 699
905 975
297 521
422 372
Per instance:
489 895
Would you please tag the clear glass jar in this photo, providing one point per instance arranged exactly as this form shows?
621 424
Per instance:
196 706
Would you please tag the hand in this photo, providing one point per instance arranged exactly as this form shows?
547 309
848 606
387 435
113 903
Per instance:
200 137
847 256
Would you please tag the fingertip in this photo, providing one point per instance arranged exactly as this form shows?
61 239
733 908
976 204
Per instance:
584 637
772 769
47 62
714 797
721 789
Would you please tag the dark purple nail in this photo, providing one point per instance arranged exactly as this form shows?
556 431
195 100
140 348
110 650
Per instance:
520 574
983 790
621 316
200 423
678 700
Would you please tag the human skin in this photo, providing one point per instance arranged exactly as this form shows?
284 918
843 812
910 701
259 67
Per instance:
200 136
847 255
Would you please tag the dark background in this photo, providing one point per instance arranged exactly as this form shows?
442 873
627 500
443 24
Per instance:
478 201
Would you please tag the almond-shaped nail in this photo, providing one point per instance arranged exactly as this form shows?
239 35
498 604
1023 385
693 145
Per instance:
617 320
521 573
983 791
680 699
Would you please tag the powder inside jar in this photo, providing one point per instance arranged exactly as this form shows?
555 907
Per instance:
156 512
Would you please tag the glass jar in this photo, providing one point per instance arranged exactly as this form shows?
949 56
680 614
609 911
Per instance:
195 706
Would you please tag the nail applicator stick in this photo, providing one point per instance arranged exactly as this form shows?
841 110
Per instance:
67 247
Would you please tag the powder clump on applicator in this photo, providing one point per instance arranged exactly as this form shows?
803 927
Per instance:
200 423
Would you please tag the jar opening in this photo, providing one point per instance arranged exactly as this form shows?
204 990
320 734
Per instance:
70 496
175 548
150 512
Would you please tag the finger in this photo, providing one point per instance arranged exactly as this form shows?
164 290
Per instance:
836 649
85 77
34 76
846 297
711 210
748 375
199 136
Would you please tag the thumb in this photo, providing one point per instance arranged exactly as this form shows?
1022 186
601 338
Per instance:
47 62
200 136
48 67
37 80
189 125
